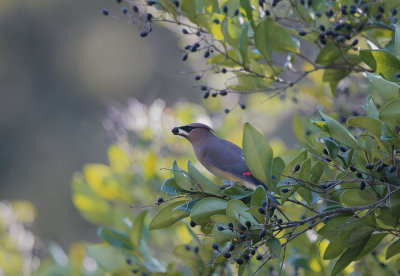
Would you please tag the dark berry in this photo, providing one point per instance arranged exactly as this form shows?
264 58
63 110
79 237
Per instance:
296 168
135 8
359 27
236 13
262 234
187 247
185 57
160 200
261 210
325 151
245 256
196 249
285 190
215 246
214 94
151 3
302 33
134 271
398 75
220 228
379 168
340 38
239 261
149 17
223 92
309 3
128 261
267 13
323 186
242 236
225 9
223 70
259 257
197 77
369 166
343 149
362 185
230 225
227 110
192 223
318 14
394 12
227 255
143 33
322 28
243 106
381 9
355 42
252 252
352 168
378 16
206 54
347 36
206 95
184 31
176 2
203 87
248 224
231 247
329 13
105 12
124 10
279 221
216 21
359 175
264 203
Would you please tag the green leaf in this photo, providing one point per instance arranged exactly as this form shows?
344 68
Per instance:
372 125
246 5
258 155
243 44
258 196
382 62
112 259
223 236
397 38
390 113
329 54
317 171
137 228
373 241
237 209
357 197
181 179
168 215
236 192
207 207
358 235
339 133
347 257
274 246
206 185
115 237
387 90
334 250
372 110
393 249
170 187
331 146
266 40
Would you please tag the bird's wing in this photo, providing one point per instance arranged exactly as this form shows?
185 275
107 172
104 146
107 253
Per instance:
226 156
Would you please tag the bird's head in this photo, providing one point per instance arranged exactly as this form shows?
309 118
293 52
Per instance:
193 131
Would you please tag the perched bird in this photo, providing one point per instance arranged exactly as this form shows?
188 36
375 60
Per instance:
221 157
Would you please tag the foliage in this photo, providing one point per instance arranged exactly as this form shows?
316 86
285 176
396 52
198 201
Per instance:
339 189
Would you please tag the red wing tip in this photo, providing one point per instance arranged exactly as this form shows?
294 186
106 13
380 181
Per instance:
246 173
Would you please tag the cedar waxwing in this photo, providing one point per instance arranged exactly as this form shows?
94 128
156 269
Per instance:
221 157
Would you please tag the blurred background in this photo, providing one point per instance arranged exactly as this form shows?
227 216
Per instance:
62 63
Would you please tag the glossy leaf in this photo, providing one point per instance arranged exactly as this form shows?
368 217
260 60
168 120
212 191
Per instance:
372 125
274 246
387 90
207 207
205 185
339 132
115 237
168 215
258 155
382 62
347 257
393 249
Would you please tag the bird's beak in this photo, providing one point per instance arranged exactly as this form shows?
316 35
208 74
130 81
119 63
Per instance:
176 131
